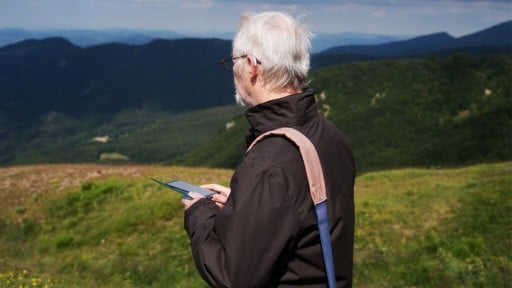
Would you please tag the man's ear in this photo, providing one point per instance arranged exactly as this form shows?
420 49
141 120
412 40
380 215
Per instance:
254 68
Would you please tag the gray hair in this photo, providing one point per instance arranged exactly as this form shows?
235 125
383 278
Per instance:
281 43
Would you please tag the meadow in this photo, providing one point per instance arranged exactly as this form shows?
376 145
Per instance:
90 225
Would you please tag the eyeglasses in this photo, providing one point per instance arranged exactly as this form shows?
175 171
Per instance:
228 63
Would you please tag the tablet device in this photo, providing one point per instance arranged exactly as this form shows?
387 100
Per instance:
183 188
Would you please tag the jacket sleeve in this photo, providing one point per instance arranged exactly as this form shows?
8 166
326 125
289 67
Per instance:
242 245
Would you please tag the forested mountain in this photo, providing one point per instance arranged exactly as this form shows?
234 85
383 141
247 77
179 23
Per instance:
55 98
39 76
412 112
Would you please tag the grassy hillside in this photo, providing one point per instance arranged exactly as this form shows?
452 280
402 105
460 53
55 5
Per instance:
399 113
225 149
436 112
138 135
108 226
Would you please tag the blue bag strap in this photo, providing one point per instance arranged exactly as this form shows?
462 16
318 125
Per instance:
316 188
325 240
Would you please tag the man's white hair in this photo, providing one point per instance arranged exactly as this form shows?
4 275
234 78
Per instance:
280 43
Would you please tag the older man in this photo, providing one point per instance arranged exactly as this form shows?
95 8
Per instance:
262 232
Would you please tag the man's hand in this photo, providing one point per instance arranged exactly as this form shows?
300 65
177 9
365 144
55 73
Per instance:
221 196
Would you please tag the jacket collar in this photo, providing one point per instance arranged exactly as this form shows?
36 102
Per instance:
293 110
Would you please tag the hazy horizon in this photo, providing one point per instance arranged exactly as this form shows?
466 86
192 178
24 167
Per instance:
392 17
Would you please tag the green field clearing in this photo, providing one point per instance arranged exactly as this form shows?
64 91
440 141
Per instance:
74 225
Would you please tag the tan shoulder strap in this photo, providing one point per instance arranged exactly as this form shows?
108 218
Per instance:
310 158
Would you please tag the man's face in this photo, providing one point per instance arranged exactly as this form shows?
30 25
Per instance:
241 95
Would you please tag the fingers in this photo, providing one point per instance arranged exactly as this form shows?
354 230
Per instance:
221 196
219 200
218 188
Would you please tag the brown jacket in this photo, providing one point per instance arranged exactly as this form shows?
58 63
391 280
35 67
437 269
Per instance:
266 236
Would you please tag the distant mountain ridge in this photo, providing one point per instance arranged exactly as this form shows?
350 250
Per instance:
321 42
37 76
88 37
498 35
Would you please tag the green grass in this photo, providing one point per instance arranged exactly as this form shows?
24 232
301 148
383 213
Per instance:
115 228
434 228
115 232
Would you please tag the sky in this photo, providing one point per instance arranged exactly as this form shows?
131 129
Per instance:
387 17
